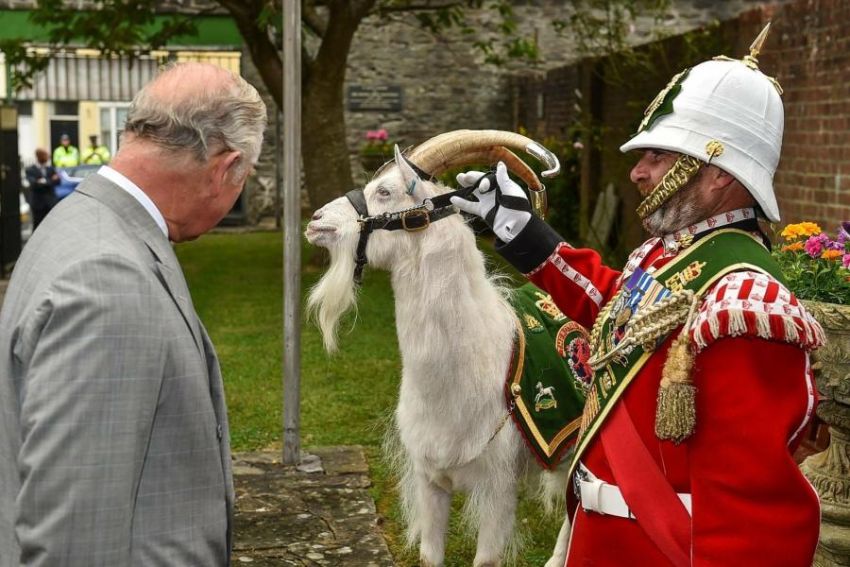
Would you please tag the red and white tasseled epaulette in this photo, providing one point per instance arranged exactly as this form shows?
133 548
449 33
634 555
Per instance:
755 305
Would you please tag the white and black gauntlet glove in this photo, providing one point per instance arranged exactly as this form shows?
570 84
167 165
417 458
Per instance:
500 202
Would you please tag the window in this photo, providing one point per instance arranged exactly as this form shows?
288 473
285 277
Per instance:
113 115
66 108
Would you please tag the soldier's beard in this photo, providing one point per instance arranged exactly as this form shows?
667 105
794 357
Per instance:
681 210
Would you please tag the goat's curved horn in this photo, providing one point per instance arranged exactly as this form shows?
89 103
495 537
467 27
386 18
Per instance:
432 154
492 155
466 147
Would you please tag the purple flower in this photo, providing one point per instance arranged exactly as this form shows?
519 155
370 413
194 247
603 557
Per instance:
834 245
816 244
844 232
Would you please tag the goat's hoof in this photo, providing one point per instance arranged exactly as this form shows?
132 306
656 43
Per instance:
425 563
488 564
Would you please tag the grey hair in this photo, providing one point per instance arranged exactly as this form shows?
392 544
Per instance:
203 123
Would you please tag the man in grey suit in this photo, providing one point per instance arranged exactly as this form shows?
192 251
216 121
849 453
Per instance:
114 444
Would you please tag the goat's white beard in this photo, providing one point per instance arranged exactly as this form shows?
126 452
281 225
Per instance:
333 295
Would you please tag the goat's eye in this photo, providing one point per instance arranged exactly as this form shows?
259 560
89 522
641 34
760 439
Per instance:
382 192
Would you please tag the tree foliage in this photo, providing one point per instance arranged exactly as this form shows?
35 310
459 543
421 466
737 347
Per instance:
129 27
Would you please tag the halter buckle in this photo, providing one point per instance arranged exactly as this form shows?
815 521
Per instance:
414 214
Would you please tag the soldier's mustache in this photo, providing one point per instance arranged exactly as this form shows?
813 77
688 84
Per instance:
644 188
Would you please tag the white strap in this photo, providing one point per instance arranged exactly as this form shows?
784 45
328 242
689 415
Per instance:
603 498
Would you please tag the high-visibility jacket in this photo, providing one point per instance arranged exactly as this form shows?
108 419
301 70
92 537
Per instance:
96 155
66 156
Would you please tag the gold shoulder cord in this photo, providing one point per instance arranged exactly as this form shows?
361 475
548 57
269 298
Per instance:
678 175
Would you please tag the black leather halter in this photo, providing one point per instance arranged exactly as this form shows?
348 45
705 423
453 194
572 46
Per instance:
413 219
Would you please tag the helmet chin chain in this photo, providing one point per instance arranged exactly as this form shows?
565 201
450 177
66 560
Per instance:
683 170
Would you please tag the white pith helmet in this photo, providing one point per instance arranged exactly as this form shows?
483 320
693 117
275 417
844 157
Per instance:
726 112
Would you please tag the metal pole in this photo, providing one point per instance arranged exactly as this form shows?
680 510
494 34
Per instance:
278 170
291 232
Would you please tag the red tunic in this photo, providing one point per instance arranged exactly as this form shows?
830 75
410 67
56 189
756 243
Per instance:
750 503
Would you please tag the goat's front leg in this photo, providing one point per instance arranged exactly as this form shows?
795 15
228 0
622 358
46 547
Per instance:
559 554
433 505
497 515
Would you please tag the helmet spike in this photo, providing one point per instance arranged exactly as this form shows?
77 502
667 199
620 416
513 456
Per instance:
751 60
755 48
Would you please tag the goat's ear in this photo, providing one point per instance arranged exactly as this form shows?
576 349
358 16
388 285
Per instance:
408 175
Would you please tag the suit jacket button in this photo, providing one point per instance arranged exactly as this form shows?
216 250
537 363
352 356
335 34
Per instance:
218 432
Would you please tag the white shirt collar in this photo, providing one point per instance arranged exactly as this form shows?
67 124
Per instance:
137 193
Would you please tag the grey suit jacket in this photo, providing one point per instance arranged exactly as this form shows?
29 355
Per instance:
113 431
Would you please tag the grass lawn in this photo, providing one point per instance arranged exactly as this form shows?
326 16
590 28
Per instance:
235 281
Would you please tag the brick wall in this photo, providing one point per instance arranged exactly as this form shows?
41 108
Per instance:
808 51
810 57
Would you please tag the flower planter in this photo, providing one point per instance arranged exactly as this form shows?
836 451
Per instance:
829 471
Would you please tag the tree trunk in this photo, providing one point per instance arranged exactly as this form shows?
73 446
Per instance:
327 167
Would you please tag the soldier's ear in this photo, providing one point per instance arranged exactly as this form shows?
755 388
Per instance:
718 179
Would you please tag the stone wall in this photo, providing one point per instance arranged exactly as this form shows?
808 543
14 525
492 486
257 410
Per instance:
261 196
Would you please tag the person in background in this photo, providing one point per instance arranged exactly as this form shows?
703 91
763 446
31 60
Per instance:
95 154
114 442
66 155
42 179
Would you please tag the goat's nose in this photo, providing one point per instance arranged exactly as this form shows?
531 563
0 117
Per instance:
317 215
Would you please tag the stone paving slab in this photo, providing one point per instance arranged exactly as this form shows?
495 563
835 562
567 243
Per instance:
319 513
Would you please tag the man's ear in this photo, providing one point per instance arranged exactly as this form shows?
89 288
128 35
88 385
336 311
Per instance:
226 166
720 180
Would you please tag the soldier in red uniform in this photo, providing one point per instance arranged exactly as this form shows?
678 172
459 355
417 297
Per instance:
702 384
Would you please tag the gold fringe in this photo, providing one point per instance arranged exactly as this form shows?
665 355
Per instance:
675 413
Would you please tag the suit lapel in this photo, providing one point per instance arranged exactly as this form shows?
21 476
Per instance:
142 226
175 283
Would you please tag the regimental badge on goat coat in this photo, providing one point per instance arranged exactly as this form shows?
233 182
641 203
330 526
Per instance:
548 375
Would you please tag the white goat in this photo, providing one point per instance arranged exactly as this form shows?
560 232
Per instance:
455 330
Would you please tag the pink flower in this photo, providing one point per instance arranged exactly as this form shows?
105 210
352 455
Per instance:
845 261
382 135
371 134
815 244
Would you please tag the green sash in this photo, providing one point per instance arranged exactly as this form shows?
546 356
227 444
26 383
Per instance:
548 375
696 269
